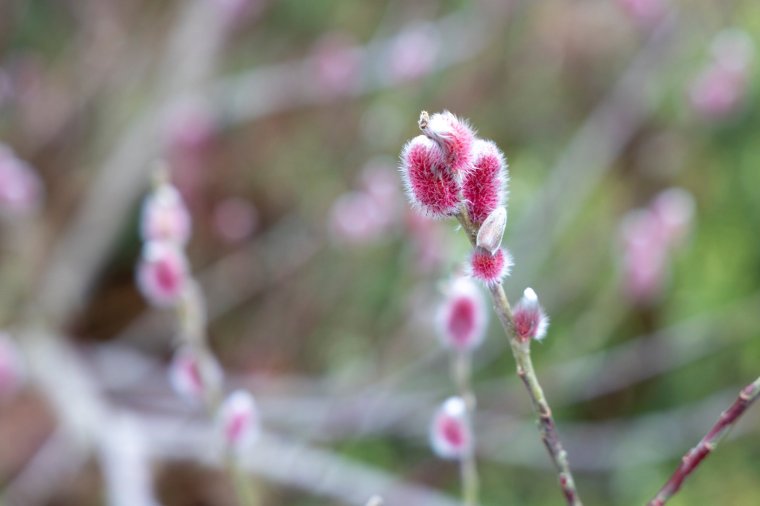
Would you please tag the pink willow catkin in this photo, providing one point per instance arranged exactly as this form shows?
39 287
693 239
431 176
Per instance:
449 172
696 455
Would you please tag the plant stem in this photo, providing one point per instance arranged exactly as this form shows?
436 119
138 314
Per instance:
461 370
696 455
244 491
521 352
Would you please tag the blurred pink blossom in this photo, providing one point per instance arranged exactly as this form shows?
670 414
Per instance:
427 239
187 372
238 421
450 432
185 375
649 237
413 52
235 219
720 88
165 216
462 316
162 273
20 186
372 211
336 63
356 218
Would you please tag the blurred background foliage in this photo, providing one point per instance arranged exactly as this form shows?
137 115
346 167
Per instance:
592 104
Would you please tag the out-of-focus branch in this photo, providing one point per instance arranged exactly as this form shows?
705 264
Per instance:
84 245
709 442
316 471
264 261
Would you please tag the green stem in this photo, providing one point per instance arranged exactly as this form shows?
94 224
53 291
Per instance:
521 353
461 369
244 490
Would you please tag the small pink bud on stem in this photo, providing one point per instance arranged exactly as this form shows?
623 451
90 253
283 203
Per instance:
165 216
238 421
450 432
491 232
462 317
490 268
529 318
162 273
194 376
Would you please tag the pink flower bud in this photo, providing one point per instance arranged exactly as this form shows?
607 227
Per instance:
455 138
11 367
485 187
720 88
186 375
20 186
165 216
529 318
490 268
674 209
463 316
162 273
450 432
379 180
404 64
431 187
645 254
356 218
491 232
238 420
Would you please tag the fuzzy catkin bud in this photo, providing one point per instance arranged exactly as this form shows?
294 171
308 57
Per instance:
430 185
450 432
162 273
491 232
490 268
484 188
529 318
193 377
462 316
238 420
165 216
454 136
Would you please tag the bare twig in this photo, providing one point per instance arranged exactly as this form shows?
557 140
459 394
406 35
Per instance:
709 442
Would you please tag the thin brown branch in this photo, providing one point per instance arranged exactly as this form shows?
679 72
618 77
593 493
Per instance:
709 442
